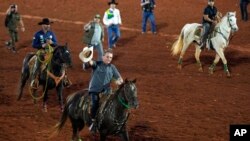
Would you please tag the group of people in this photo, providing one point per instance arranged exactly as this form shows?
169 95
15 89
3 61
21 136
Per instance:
103 71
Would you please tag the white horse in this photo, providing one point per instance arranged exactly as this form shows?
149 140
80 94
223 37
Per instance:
219 41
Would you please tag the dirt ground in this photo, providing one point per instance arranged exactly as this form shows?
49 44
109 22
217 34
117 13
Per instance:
175 105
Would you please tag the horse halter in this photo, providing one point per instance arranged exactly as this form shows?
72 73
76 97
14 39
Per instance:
125 100
232 26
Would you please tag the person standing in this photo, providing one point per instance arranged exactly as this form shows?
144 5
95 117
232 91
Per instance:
94 35
103 74
44 41
243 9
147 13
209 19
12 20
112 20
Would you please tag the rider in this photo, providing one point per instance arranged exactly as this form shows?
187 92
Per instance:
103 73
43 41
208 20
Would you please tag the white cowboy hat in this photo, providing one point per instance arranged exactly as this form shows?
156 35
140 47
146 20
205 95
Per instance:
87 54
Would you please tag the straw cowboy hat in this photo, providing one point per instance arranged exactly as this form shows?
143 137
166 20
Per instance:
87 54
45 21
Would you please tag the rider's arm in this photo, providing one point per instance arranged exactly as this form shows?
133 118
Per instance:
89 64
54 40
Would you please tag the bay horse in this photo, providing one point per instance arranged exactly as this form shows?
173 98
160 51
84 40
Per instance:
112 114
219 41
60 59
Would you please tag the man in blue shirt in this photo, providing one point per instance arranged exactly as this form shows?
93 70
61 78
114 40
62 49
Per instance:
147 11
43 41
209 18
103 73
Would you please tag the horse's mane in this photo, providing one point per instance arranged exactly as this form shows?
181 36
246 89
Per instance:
222 20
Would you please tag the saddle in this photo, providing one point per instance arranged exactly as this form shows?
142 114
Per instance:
212 33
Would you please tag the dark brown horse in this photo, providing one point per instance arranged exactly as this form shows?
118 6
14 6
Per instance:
112 114
61 57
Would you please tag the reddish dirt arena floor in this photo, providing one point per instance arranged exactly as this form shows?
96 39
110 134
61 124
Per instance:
175 105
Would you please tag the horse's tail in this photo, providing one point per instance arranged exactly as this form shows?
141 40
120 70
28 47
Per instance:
25 73
178 44
58 127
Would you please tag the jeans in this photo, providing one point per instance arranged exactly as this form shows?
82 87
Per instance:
243 9
145 16
95 103
206 27
99 48
113 34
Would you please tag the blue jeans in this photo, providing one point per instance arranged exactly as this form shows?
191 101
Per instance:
113 35
99 49
95 103
145 16
206 27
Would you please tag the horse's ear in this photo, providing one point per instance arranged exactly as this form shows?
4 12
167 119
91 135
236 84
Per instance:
134 81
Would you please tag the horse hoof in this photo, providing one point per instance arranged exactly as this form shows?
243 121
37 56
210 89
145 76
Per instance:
45 109
200 69
228 75
179 67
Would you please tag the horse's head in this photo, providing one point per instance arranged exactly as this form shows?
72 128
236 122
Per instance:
62 54
231 17
129 94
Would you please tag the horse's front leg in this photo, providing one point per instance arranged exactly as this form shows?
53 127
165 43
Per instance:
212 67
124 135
224 60
59 90
45 99
197 57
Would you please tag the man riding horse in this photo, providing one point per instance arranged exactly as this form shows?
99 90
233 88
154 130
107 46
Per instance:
44 41
103 73
208 21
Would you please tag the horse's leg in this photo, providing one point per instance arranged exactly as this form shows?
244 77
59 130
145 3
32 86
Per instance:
124 135
102 137
74 125
197 57
220 52
80 127
185 46
59 90
45 99
212 67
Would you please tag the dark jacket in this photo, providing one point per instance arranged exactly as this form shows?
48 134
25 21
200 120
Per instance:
89 32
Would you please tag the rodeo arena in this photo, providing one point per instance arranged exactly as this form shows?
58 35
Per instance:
124 70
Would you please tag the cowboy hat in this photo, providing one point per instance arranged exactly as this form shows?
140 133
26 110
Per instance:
45 21
112 2
87 54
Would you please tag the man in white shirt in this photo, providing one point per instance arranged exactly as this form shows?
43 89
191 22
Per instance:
112 20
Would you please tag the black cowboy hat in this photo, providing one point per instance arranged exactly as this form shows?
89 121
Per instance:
45 21
112 2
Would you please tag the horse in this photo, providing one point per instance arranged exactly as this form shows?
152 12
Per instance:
60 59
112 114
219 41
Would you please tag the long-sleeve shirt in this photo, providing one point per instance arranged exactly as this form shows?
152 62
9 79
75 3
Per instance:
102 76
40 38
112 16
